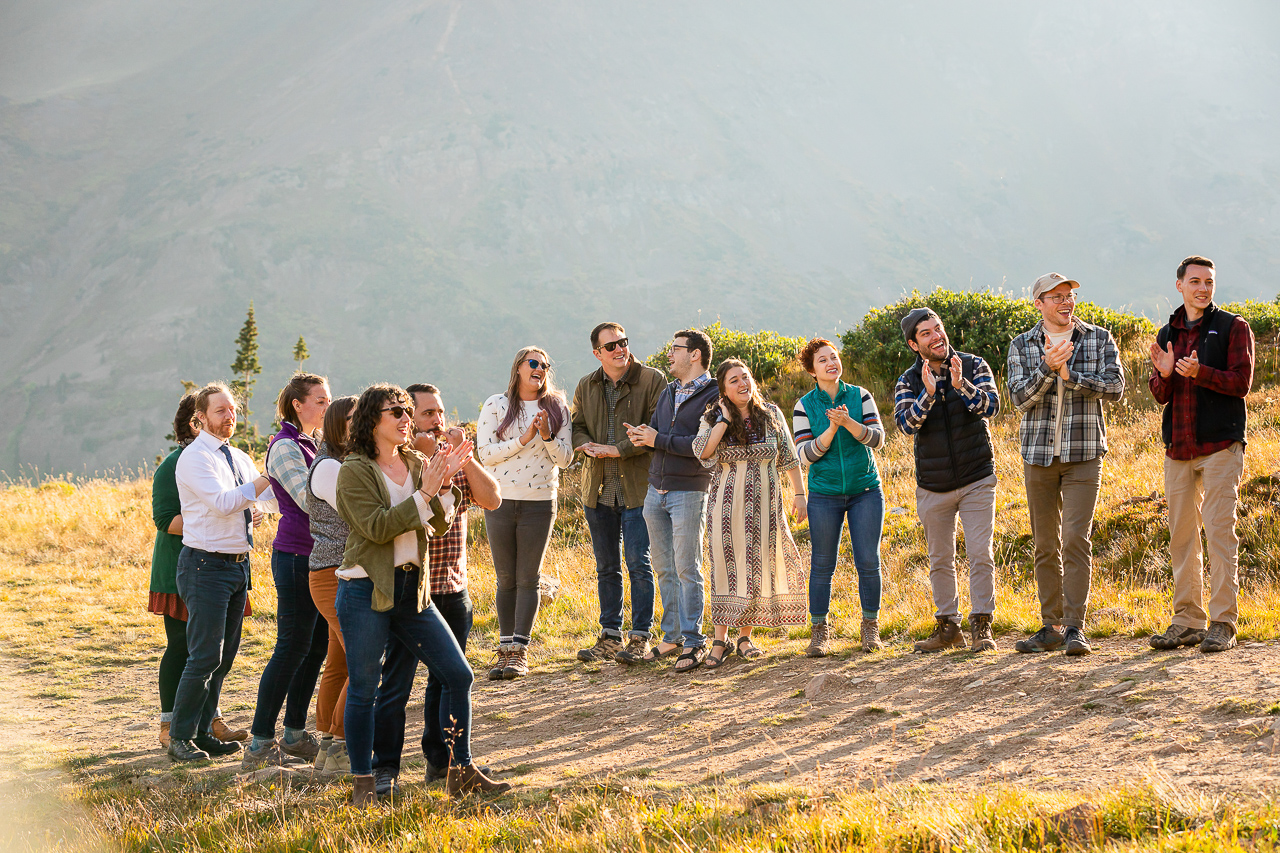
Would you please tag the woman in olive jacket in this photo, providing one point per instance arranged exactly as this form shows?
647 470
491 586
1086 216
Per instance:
389 495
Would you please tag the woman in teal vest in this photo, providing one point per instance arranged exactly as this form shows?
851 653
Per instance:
837 428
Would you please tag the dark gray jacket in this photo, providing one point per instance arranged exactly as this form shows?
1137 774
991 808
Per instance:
675 467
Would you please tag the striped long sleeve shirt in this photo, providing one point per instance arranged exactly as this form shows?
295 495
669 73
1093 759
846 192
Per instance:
981 396
808 446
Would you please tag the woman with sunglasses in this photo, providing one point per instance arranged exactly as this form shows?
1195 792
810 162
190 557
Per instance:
524 439
388 495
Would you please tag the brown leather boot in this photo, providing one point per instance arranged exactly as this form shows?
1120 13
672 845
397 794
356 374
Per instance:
946 635
164 735
469 779
362 792
819 640
224 732
870 633
981 638
517 663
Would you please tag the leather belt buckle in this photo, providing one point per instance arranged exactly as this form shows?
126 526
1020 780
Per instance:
407 567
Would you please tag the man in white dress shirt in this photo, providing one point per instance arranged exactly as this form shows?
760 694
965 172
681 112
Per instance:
221 491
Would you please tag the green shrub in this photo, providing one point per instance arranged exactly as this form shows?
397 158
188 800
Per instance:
1263 317
766 353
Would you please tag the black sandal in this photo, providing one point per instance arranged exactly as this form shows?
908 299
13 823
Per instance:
751 652
697 654
651 656
713 662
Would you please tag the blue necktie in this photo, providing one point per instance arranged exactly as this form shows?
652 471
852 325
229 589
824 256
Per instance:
248 514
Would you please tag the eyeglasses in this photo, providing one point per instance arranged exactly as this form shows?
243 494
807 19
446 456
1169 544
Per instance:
678 346
399 411
1059 298
613 345
538 365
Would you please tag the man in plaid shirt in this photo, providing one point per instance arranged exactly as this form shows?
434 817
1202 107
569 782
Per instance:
447 556
1059 374
1203 369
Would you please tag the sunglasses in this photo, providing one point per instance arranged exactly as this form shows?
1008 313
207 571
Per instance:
399 411
613 345
538 365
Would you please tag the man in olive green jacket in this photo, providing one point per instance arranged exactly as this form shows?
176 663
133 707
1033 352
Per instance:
615 478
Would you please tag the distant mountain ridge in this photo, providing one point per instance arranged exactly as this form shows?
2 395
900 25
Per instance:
421 187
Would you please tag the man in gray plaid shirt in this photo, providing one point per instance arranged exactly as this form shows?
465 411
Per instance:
1060 372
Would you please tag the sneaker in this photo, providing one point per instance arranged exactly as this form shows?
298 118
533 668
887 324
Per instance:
338 763
819 640
385 781
1221 636
870 634
1047 639
267 755
1176 635
304 747
946 635
223 732
980 637
499 664
1076 643
606 648
517 663
216 748
322 756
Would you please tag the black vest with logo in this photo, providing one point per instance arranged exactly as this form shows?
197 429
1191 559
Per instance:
953 446
1219 417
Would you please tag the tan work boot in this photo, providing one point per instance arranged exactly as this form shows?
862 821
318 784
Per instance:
469 779
362 792
164 735
499 664
819 640
946 635
517 665
224 732
870 633
981 638
606 648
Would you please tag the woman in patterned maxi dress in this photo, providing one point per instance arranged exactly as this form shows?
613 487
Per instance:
757 576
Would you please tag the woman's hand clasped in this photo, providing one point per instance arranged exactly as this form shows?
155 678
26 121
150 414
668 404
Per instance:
800 507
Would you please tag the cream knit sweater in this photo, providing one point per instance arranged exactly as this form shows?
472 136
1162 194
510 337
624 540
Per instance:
526 472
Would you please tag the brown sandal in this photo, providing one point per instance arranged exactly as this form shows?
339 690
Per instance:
713 662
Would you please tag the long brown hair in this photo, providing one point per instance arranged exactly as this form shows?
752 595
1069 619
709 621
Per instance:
550 398
335 427
299 388
369 412
760 412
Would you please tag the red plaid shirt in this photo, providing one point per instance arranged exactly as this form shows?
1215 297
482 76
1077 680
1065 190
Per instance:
1180 390
448 553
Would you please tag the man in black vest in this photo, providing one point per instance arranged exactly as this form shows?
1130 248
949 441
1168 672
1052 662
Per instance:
1203 368
945 400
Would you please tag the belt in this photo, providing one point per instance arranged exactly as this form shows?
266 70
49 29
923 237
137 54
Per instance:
408 567
231 558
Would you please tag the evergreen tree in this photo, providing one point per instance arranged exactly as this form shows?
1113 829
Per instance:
300 353
246 365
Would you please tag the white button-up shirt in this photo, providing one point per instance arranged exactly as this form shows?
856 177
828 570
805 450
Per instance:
212 504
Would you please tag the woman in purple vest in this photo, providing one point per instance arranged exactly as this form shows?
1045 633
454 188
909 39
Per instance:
302 637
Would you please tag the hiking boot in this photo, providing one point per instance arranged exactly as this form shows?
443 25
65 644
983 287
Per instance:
338 762
185 750
439 774
606 648
819 640
1076 643
469 779
266 755
304 747
1047 639
164 735
1176 635
636 648
870 633
363 792
499 664
223 732
385 781
322 757
946 635
980 637
216 748
517 663
1221 636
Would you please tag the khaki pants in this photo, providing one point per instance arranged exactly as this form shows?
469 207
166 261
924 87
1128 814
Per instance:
1060 499
975 505
1204 490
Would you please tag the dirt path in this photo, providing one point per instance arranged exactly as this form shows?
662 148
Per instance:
1122 714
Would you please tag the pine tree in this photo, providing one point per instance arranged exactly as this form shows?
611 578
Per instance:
300 353
246 365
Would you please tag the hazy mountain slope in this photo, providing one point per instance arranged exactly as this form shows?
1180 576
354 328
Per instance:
421 187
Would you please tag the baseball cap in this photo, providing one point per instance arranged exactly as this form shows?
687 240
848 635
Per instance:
1048 282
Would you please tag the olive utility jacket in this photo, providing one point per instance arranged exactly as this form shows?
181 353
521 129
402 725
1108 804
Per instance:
638 392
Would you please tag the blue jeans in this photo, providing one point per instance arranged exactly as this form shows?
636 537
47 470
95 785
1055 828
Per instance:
398 671
302 641
827 514
612 529
676 522
426 635
214 590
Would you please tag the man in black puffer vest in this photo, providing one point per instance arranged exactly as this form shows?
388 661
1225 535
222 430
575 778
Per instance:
945 400
1203 369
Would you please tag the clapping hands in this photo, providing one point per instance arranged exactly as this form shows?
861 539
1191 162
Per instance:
441 468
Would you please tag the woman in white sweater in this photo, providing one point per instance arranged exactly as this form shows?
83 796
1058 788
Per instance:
524 446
